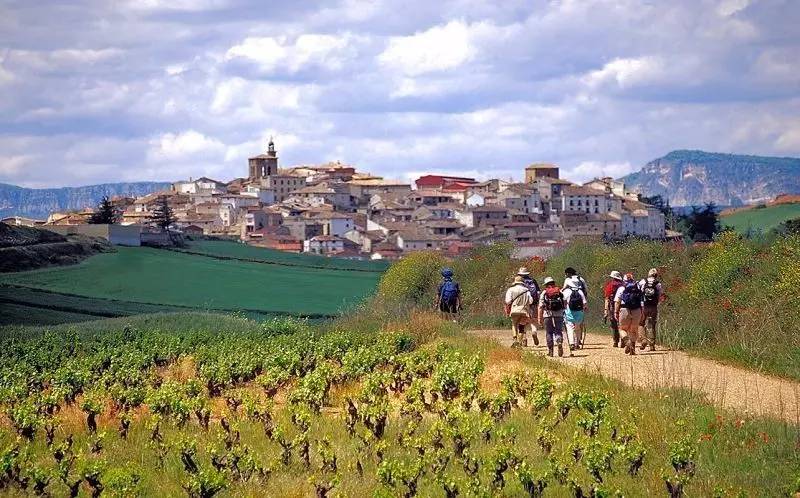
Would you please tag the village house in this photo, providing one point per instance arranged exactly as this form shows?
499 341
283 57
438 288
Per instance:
540 170
441 181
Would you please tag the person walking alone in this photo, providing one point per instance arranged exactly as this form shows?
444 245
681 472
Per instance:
519 303
628 312
652 295
551 315
609 313
448 297
533 287
576 305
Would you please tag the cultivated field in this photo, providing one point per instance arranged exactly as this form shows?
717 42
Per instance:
144 280
761 219
203 405
244 252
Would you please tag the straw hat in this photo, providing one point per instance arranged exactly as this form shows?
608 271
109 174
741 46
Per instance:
523 272
549 280
518 280
616 275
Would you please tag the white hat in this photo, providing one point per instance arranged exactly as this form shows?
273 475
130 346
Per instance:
652 273
616 275
549 280
523 271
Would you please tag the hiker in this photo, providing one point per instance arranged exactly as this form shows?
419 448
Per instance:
533 287
652 295
448 299
609 314
628 312
519 303
576 305
570 273
551 314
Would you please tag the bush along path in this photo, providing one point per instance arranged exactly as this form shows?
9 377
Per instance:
738 389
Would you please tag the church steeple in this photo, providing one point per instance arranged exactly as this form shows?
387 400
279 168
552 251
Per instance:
271 148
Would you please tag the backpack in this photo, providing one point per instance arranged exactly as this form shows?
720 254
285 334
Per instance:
632 296
449 291
553 300
533 287
575 300
650 292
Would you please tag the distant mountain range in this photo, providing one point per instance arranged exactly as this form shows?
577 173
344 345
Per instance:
39 203
694 177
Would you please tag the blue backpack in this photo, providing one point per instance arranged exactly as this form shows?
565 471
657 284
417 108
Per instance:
449 291
632 296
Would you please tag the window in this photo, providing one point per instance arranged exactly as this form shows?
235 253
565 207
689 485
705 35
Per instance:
580 203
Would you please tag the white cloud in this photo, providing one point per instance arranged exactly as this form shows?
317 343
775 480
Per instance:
276 53
588 170
628 72
437 49
254 100
171 146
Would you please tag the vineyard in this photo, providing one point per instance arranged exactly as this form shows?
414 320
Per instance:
142 280
232 407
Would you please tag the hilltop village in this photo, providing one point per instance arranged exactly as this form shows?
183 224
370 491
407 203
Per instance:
333 209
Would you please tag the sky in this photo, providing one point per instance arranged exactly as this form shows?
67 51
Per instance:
98 91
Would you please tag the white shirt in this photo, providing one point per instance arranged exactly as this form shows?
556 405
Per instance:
569 282
520 298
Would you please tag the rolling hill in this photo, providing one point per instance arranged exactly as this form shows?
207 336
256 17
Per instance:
693 177
134 281
39 203
761 219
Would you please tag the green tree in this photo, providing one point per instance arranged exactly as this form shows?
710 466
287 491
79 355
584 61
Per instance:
163 216
702 224
789 227
105 214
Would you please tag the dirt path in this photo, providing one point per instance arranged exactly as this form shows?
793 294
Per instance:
739 389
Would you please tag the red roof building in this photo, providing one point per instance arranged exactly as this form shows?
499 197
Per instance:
441 181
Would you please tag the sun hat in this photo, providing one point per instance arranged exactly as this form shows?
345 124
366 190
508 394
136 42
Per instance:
652 273
518 280
629 277
616 275
549 280
523 271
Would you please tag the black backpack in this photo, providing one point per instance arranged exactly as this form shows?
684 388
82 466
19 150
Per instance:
650 292
632 296
575 299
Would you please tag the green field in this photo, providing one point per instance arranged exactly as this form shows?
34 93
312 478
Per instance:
234 250
143 280
763 219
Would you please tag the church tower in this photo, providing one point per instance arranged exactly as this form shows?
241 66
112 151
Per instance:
264 164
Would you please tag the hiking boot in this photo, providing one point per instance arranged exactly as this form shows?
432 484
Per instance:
549 350
515 344
616 344
560 350
524 342
535 340
652 347
571 347
641 347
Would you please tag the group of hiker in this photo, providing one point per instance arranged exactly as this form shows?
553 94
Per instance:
629 305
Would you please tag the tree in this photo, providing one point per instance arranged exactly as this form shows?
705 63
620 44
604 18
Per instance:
163 216
702 224
105 214
789 227
658 202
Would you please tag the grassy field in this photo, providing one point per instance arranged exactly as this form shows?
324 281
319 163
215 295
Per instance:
761 219
245 252
144 280
205 405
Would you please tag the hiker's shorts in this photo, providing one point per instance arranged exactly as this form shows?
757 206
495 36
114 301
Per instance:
629 319
448 306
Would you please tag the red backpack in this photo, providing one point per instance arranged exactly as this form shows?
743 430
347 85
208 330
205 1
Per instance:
553 300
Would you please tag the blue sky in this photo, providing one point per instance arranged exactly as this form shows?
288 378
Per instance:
99 91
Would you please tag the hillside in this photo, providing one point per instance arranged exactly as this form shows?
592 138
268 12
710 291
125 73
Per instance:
145 280
39 203
692 177
25 248
761 218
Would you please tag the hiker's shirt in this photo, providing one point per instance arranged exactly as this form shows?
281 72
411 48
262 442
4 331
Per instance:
568 282
520 299
546 313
